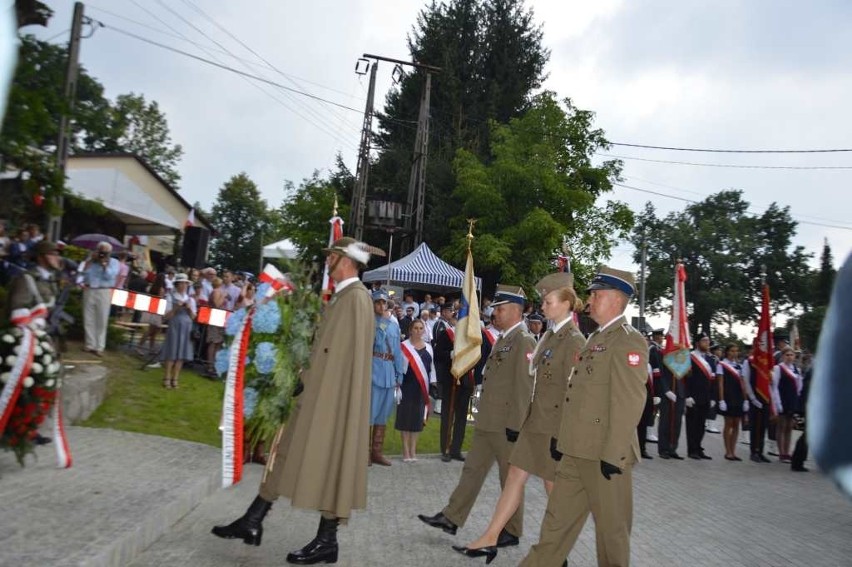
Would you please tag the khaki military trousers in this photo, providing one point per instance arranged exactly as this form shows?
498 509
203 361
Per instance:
486 447
579 489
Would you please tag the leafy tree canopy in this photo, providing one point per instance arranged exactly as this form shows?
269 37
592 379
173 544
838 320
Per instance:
539 191
243 222
723 248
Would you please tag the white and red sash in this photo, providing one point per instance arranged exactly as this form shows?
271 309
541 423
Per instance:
792 376
491 336
419 369
703 365
450 333
736 373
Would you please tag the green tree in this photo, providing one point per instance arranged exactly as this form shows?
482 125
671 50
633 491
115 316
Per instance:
140 127
304 215
243 222
723 248
492 59
810 322
539 190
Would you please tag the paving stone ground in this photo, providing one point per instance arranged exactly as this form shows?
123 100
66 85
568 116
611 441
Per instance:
127 491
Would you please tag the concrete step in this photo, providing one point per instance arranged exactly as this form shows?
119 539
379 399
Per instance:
124 491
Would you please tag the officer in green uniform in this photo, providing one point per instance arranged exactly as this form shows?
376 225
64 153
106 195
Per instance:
32 294
506 391
597 444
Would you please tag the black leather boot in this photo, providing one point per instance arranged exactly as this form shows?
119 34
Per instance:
249 528
322 549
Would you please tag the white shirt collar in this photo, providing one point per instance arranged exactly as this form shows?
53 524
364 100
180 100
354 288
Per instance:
512 328
345 283
555 328
602 328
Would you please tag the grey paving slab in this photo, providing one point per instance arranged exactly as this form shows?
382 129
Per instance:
122 493
693 513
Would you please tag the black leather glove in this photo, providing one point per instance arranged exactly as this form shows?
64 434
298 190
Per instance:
300 387
554 452
608 469
433 391
511 435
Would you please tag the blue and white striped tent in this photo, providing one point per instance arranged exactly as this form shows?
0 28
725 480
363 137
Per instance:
421 270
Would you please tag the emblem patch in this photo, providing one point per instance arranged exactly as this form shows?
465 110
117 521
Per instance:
633 359
529 357
598 348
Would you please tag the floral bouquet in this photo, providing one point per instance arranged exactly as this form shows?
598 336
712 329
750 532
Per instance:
279 348
37 390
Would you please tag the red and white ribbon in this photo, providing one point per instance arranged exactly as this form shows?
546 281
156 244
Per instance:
20 370
60 440
419 369
232 408
138 301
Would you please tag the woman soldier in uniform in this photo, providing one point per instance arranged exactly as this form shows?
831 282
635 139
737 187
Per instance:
552 363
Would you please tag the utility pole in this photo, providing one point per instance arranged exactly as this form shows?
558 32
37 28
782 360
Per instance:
359 194
54 224
642 278
417 181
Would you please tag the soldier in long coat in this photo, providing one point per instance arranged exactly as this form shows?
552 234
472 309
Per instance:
506 391
597 436
551 365
319 462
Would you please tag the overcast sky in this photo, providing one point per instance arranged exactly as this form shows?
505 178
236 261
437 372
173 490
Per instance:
749 74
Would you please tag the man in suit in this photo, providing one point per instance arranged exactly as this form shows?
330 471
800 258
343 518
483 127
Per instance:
597 444
506 391
314 462
455 394
700 395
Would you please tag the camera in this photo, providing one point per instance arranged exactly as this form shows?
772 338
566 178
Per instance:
103 255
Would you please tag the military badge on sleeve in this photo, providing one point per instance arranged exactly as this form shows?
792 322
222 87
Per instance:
633 359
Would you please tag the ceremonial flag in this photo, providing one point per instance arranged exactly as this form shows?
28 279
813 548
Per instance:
335 233
276 280
190 219
795 341
468 339
762 357
676 351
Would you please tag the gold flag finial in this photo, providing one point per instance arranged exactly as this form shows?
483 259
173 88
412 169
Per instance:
470 223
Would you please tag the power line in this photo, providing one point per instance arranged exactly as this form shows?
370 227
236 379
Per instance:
718 151
231 69
730 165
661 194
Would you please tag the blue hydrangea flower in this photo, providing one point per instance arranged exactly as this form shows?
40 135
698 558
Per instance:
267 318
249 401
221 362
261 290
264 357
234 322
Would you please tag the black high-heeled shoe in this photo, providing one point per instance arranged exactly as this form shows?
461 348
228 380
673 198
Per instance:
489 552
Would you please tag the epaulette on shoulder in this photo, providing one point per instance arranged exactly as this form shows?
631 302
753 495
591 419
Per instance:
628 328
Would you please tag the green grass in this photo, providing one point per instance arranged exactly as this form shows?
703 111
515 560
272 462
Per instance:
136 401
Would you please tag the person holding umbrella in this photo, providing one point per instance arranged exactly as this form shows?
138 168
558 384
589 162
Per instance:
99 277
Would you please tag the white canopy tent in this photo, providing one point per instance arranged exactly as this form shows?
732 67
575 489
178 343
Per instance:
281 249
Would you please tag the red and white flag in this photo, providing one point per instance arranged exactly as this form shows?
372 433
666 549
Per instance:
677 347
276 280
190 219
762 356
335 233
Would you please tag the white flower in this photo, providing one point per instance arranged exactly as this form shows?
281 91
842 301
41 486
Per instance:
8 339
50 383
5 377
46 359
47 347
37 368
38 351
28 382
10 360
53 368
17 332
39 333
16 349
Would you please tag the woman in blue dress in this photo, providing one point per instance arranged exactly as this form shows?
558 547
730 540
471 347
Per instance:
180 313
